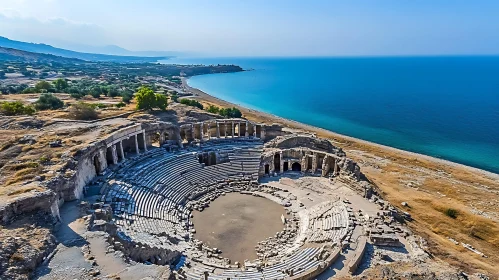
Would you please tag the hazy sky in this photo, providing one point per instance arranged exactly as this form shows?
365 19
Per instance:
260 27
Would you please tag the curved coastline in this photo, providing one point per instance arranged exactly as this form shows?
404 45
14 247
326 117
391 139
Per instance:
256 115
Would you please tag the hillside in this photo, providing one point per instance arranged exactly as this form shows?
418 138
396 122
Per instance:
48 49
9 54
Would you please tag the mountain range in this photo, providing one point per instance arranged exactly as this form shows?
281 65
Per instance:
9 54
124 55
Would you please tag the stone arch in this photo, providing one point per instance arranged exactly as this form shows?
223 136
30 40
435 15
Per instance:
285 167
296 166
277 162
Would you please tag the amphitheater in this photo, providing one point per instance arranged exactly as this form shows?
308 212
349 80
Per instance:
152 178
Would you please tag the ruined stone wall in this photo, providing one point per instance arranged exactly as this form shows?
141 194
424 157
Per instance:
141 252
273 131
304 141
45 201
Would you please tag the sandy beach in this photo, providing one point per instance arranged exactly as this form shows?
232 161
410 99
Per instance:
429 185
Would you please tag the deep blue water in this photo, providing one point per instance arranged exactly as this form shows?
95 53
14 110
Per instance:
446 107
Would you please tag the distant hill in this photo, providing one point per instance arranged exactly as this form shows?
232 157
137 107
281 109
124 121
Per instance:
117 50
48 49
9 54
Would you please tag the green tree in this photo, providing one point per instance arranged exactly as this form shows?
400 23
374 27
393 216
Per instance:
112 91
60 84
147 99
43 86
213 109
95 92
48 101
161 101
235 113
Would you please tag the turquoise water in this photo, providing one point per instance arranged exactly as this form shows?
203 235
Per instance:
446 107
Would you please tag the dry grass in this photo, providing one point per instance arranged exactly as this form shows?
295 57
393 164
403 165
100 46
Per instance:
428 204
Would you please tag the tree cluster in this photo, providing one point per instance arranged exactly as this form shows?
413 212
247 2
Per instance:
225 112
191 102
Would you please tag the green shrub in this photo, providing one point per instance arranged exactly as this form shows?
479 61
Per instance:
82 111
191 102
48 102
29 90
174 97
120 105
213 109
75 95
450 212
126 97
95 92
16 108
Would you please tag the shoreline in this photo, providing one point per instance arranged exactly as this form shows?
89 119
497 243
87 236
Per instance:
270 118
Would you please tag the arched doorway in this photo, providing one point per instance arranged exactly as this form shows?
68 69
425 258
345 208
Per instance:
285 167
277 162
296 166
267 168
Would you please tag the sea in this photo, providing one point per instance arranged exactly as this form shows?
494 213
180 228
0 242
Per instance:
442 106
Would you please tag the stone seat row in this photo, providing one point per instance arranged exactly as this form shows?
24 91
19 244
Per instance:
301 261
